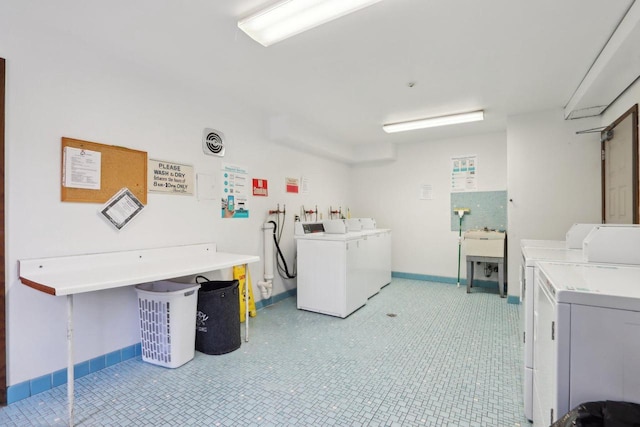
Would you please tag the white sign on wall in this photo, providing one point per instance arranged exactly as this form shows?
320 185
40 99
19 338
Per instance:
81 168
170 177
235 190
464 171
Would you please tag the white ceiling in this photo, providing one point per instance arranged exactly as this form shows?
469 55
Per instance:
343 80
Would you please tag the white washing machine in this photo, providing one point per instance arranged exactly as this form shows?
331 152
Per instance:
586 337
531 256
573 239
339 270
554 244
568 250
619 244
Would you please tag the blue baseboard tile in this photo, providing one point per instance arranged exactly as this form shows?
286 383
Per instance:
275 298
423 277
59 377
34 386
113 358
81 369
512 299
18 391
442 279
128 352
97 363
40 384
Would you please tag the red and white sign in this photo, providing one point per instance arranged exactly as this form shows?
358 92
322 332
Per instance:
293 185
260 187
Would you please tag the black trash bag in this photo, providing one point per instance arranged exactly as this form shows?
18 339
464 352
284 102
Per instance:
218 317
602 414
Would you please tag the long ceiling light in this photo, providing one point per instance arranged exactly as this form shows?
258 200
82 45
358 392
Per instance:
434 121
290 17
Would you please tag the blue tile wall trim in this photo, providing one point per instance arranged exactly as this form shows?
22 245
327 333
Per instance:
81 369
129 352
511 299
18 392
59 377
46 382
424 277
113 358
98 363
275 298
38 385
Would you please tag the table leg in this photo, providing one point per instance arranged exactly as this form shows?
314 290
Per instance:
501 278
246 302
470 266
70 376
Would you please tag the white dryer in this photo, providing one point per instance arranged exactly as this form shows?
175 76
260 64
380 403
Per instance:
586 337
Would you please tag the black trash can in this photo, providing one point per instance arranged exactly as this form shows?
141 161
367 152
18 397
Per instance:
218 317
601 413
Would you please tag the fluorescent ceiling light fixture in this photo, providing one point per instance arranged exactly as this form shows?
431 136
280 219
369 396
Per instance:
434 121
290 17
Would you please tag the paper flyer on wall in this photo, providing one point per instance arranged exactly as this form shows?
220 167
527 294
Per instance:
236 188
464 173
122 208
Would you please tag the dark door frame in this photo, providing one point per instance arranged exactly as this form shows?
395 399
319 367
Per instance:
633 112
3 307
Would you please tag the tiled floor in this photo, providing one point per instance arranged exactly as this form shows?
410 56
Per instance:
445 359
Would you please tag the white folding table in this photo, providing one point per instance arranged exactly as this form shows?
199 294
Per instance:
76 274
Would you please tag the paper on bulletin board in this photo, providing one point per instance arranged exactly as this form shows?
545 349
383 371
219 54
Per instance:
464 171
170 178
235 191
81 168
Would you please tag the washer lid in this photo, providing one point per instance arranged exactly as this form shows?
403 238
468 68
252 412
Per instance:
600 285
531 243
533 255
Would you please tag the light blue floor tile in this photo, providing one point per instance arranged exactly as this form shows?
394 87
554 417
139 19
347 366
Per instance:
447 358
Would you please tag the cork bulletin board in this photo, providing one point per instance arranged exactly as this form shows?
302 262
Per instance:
119 167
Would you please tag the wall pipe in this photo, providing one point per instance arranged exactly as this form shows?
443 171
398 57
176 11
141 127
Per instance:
266 286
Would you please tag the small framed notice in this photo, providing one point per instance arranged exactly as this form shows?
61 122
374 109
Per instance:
122 208
170 178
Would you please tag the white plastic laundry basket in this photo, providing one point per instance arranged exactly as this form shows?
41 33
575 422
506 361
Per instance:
167 322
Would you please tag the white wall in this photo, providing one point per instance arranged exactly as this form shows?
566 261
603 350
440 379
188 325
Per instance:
423 242
57 86
554 179
625 101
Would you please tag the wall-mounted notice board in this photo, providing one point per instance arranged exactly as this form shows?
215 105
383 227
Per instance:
119 167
